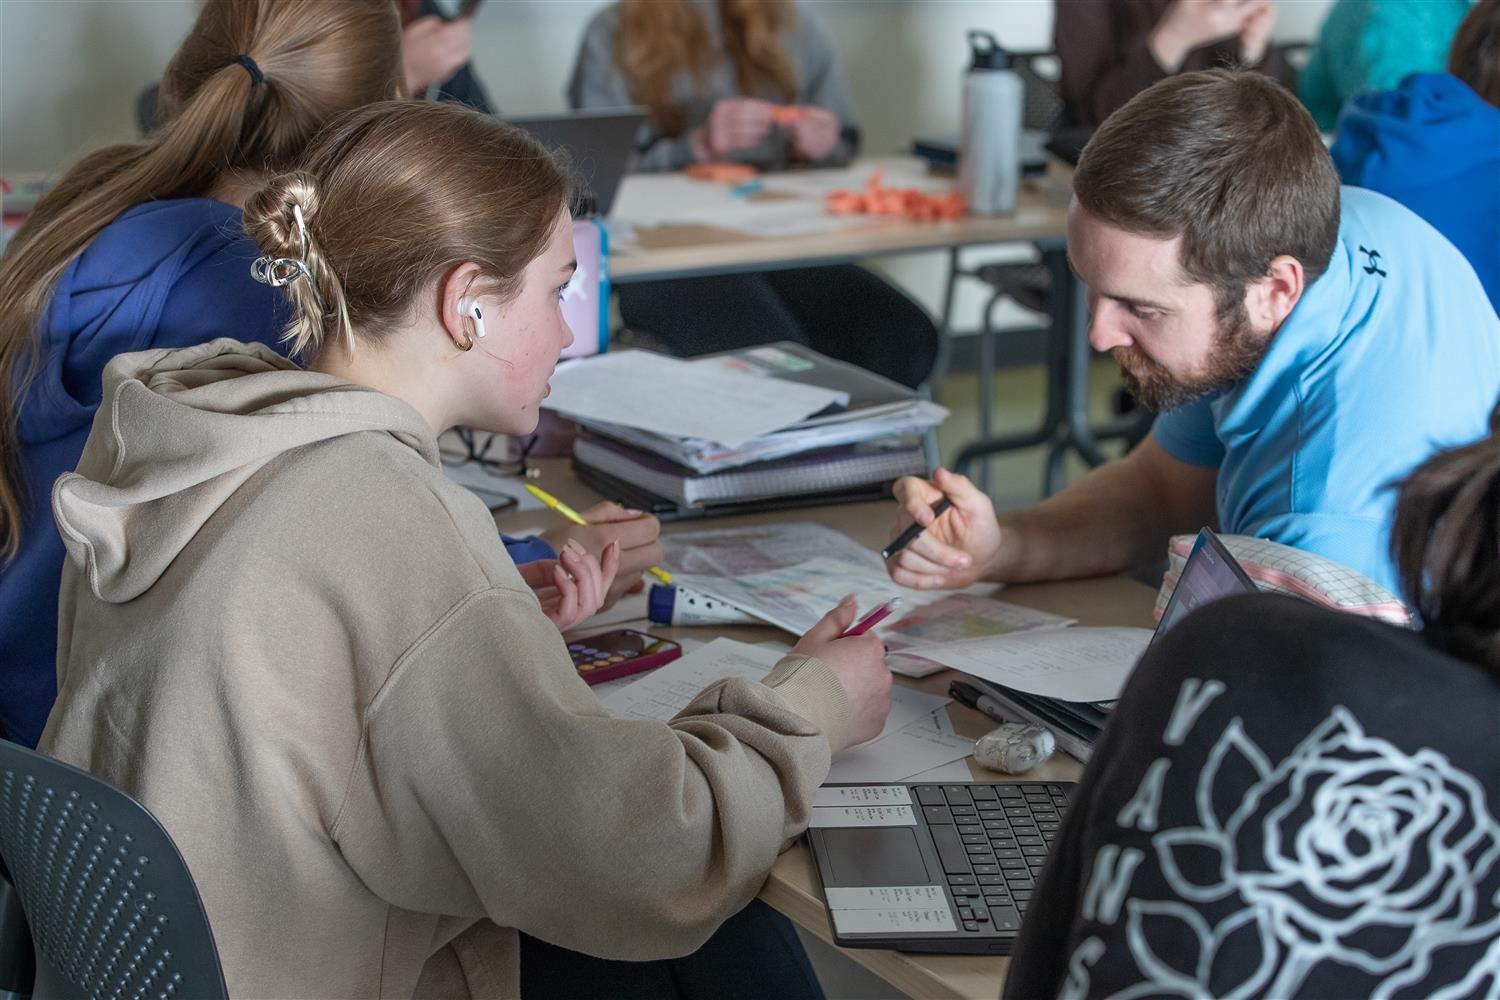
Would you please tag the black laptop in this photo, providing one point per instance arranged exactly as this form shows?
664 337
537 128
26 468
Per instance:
951 868
598 145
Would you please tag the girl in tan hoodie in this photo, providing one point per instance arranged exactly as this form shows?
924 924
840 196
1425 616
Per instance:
305 650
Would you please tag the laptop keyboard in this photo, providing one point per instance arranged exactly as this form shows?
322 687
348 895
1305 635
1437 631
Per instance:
993 841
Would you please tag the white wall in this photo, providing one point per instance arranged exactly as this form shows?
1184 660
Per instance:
70 69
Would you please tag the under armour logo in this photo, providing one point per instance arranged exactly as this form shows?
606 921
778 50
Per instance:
1373 267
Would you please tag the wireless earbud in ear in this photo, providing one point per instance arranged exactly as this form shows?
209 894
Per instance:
470 308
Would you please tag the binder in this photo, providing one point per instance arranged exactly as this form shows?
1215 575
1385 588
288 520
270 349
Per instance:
827 470
666 509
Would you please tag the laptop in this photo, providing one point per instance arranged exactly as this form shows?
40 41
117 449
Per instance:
598 145
952 867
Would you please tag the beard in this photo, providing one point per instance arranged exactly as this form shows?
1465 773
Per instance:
1236 352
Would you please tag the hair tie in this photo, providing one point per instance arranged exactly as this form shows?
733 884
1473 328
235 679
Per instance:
256 76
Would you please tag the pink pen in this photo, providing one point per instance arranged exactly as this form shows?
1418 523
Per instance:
875 617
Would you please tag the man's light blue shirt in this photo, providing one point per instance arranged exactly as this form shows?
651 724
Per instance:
1392 354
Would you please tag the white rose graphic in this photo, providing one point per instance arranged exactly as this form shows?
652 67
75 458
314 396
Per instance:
1369 855
1348 851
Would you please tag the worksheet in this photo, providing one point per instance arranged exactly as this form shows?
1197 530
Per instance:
960 617
916 747
669 396
918 735
788 575
1073 664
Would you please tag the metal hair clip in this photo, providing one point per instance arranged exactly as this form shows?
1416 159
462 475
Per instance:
282 271
278 271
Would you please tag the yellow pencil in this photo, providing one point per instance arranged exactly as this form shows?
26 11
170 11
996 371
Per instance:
568 513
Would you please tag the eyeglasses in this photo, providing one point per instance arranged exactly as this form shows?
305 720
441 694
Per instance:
478 447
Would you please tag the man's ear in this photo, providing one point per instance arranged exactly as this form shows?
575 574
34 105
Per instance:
1270 300
452 289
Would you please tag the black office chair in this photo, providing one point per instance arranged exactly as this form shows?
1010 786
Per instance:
111 907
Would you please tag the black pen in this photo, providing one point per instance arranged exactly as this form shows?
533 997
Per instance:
905 538
968 694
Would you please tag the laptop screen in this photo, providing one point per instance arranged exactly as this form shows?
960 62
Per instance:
1209 574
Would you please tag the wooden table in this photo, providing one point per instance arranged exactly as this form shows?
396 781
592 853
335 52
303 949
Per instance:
793 886
681 250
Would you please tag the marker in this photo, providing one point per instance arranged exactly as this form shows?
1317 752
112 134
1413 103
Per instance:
869 621
968 694
569 514
909 535
681 606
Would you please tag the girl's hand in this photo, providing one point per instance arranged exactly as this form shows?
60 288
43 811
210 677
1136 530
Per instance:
573 586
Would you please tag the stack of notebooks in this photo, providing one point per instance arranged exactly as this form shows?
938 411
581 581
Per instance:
850 450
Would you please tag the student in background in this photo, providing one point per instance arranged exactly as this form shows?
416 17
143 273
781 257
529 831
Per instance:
304 649
139 246
1374 45
435 60
710 72
1111 50
435 55
1433 144
1294 802
1306 345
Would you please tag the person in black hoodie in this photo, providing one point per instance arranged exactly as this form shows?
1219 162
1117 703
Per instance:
1292 802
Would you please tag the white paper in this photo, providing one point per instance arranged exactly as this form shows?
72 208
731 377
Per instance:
856 816
912 666
952 773
780 217
895 921
1073 664
907 707
818 184
667 690
920 746
885 897
862 795
668 396
917 735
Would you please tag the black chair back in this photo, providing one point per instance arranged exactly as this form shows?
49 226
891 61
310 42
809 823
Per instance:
112 908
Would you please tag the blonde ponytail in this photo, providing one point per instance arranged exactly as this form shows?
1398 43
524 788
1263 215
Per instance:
315 58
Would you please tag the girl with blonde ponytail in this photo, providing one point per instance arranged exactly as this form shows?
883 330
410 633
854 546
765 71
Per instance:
304 648
140 246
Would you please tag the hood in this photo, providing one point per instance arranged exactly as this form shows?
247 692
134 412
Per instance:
110 298
178 432
1431 127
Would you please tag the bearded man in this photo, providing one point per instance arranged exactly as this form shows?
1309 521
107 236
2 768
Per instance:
1307 346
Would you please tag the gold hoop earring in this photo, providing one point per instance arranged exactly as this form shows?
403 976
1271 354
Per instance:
468 344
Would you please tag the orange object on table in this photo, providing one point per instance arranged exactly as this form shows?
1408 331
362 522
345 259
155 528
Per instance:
907 203
785 114
723 173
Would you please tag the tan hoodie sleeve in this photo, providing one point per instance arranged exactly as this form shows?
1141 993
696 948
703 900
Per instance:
492 783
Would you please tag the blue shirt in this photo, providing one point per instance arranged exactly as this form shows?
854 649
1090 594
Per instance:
1392 354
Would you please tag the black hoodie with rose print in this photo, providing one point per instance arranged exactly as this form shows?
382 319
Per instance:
1287 802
